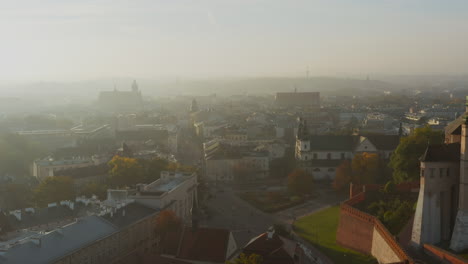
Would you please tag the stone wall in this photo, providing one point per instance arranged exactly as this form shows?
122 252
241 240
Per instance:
365 233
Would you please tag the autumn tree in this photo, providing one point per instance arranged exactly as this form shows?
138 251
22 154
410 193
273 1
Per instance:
167 221
246 259
405 160
365 168
343 176
125 171
300 182
54 189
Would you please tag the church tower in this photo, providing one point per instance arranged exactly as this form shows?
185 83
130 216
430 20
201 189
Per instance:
134 86
459 240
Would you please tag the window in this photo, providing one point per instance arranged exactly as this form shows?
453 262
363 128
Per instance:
328 156
447 172
315 155
331 169
317 169
431 172
441 172
342 156
422 172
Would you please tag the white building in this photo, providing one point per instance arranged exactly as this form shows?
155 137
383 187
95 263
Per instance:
46 167
175 191
320 155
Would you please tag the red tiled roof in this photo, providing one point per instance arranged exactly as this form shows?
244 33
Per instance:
271 250
201 244
204 244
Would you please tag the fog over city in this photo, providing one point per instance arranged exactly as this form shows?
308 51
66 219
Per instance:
233 132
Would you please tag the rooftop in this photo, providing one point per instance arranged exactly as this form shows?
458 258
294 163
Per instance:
48 247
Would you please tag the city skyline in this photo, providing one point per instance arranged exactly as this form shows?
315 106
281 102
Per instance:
62 41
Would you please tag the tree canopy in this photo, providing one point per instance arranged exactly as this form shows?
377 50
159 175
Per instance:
343 175
167 221
247 259
405 160
365 167
16 155
125 171
300 182
54 189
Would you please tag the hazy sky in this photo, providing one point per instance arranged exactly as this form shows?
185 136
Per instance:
86 39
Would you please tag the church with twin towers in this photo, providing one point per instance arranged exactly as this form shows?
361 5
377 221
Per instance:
442 208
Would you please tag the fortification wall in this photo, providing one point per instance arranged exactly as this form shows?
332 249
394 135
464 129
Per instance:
366 234
443 255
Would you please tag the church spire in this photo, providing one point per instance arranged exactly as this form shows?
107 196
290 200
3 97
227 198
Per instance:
194 106
134 86
302 129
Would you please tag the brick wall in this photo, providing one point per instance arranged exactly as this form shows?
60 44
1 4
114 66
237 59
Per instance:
364 233
354 232
443 255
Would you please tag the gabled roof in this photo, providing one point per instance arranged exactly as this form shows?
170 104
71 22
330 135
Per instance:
384 142
454 126
200 244
333 142
349 143
441 153
272 250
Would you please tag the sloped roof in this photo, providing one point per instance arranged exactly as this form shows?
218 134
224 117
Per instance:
272 250
384 142
440 153
204 244
59 243
453 127
201 244
333 142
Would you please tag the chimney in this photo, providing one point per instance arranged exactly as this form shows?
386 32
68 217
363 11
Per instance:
37 241
270 233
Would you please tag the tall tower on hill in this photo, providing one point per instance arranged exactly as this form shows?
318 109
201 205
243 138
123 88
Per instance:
460 231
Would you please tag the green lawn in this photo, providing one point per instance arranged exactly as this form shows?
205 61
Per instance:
320 230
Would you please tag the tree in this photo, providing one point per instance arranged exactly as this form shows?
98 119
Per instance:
54 189
300 182
125 171
17 154
167 221
94 188
280 167
152 168
365 167
405 160
247 259
343 176
17 196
